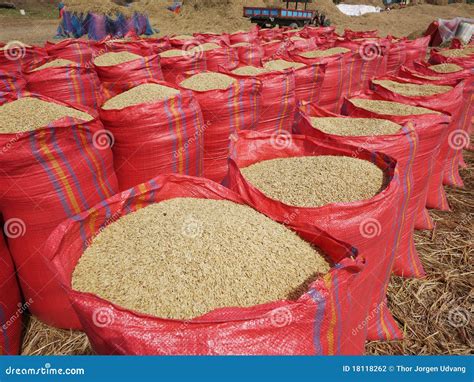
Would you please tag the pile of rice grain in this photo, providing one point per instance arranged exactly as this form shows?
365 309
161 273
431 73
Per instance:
314 181
324 53
183 37
115 58
446 68
184 257
145 93
206 47
55 64
355 126
173 53
390 108
466 52
282 65
412 90
249 71
240 44
27 114
430 78
208 81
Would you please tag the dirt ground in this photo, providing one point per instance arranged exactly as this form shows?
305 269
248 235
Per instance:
41 20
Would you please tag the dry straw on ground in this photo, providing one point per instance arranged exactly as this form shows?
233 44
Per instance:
412 90
249 71
208 81
446 68
115 58
55 64
390 108
282 65
28 113
146 93
355 126
184 257
315 181
324 53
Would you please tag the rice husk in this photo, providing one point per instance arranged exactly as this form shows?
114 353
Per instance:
115 58
146 93
446 68
55 64
249 71
314 181
184 257
27 114
208 81
355 126
390 108
282 65
324 53
412 90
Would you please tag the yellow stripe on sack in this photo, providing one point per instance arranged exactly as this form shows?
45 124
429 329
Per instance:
332 321
236 107
285 104
177 127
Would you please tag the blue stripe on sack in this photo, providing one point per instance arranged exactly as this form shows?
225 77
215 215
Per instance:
74 177
172 134
230 105
153 191
318 319
71 87
240 104
49 173
199 131
6 84
339 314
102 165
89 165
129 200
282 107
184 132
81 86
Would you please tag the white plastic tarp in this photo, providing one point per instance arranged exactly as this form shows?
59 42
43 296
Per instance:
357 9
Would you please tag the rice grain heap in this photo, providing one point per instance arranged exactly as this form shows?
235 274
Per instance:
430 78
446 68
314 181
206 47
466 52
146 93
240 44
324 53
174 53
249 71
184 257
412 90
27 114
282 65
208 81
355 126
55 64
115 58
390 108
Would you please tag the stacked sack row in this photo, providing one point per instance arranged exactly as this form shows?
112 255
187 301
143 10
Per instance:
92 131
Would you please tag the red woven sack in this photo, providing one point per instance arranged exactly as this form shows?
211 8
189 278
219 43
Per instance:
174 68
224 57
137 46
449 103
226 112
80 51
278 101
465 62
352 35
220 39
118 78
48 175
11 83
11 308
397 55
314 324
430 128
401 146
275 48
321 32
269 34
166 138
416 50
15 55
71 83
252 54
372 226
251 36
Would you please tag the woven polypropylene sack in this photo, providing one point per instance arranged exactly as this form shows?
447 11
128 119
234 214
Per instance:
118 78
396 55
430 128
314 324
72 83
226 112
372 226
166 137
320 32
10 83
140 47
174 68
269 34
252 54
251 36
449 103
80 51
224 57
437 58
220 39
48 175
11 308
416 49
277 101
351 35
403 147
15 55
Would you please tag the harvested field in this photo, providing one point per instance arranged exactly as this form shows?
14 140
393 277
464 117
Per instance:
208 81
390 108
412 90
184 257
355 126
115 58
146 93
316 181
